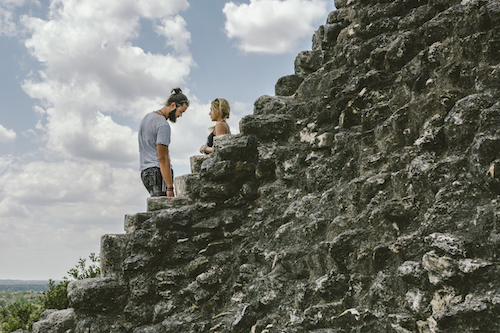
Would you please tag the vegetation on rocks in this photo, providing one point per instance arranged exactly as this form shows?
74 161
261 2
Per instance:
18 310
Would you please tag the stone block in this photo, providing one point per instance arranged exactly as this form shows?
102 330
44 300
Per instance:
308 62
96 295
287 85
207 224
317 39
159 203
134 222
196 161
244 170
52 321
267 127
187 186
217 192
112 247
463 119
235 147
270 105
326 36
214 169
485 148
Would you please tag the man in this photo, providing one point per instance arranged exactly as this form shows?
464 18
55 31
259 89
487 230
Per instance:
154 139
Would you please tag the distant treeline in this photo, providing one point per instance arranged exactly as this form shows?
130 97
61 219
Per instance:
20 285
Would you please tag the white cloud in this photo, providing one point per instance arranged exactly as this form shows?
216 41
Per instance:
155 9
58 212
175 32
46 251
272 26
7 24
6 135
12 2
91 69
43 184
7 27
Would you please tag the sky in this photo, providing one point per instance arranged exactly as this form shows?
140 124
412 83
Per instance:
77 77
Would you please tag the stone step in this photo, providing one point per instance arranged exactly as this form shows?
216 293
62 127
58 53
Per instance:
112 249
134 222
267 127
196 161
96 296
187 185
159 203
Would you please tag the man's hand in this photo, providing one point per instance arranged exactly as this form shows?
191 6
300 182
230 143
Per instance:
166 171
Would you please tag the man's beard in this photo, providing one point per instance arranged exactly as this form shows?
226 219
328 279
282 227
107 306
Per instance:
171 116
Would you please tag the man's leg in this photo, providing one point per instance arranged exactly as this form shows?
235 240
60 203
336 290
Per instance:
152 180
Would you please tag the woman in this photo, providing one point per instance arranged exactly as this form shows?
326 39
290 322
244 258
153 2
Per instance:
219 112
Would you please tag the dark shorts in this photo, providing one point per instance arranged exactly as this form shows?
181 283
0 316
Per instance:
153 181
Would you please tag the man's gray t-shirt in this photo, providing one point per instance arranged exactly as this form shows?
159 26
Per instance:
154 130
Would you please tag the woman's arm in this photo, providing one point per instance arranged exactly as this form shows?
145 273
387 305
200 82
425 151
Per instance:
221 128
206 149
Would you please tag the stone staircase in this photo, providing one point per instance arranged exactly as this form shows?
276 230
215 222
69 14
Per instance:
364 197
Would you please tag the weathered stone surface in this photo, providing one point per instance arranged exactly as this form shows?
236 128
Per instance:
363 199
267 127
272 105
187 186
96 295
235 148
287 85
195 162
158 203
134 222
111 256
326 36
308 62
56 321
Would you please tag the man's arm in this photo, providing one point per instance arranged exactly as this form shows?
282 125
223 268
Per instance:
165 169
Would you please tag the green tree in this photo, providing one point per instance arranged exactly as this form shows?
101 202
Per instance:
81 271
19 315
57 295
19 312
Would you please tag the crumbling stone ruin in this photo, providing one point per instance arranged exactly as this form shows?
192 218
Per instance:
363 197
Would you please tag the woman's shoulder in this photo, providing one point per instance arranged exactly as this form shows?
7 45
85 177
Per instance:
221 127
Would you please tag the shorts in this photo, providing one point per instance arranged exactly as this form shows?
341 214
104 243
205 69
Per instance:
153 181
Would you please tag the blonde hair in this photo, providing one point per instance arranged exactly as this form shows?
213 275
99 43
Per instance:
221 105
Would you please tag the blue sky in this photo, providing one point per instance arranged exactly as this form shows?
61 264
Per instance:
77 76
